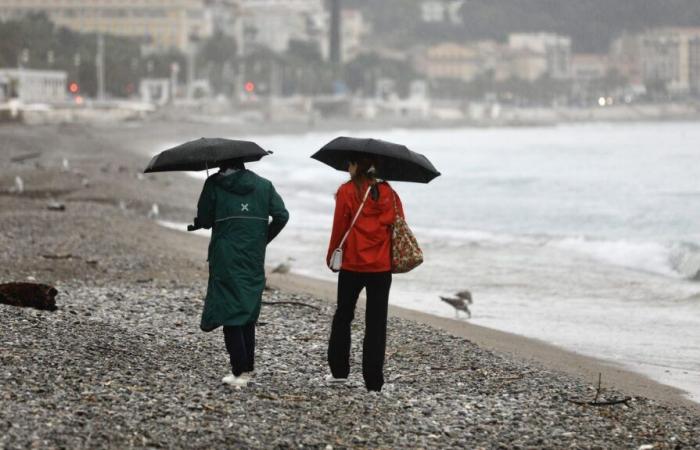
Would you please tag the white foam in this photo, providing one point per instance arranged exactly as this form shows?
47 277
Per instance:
677 261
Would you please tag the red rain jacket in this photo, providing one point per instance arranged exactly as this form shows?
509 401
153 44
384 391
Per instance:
368 246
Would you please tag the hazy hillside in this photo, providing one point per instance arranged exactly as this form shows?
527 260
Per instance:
592 23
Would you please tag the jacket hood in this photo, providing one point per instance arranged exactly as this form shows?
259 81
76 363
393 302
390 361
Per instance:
241 182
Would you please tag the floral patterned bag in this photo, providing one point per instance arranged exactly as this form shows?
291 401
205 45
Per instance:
406 255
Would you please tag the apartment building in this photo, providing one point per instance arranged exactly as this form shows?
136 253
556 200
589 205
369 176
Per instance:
672 56
160 24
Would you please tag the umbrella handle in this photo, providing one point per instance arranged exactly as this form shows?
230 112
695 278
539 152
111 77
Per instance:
195 225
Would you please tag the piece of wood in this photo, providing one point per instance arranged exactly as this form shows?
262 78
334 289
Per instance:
293 304
616 401
25 156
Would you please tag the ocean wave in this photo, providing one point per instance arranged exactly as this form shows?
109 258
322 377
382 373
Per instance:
677 260
459 237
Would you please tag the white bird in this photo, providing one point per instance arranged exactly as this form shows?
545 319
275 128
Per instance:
19 184
66 165
154 212
460 302
285 267
282 268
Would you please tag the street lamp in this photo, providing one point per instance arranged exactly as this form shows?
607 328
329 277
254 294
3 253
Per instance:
191 54
23 58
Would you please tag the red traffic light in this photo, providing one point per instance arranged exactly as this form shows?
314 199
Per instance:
249 86
73 88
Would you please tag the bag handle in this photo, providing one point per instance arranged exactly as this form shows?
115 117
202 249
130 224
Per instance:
396 207
357 214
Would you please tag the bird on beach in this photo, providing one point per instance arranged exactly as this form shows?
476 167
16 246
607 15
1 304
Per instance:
154 212
460 302
19 185
283 268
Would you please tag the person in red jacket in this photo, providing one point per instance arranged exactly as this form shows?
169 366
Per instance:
366 265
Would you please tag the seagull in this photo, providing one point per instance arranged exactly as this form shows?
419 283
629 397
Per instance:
284 268
460 302
154 212
19 184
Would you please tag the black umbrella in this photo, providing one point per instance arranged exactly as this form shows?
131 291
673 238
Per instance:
395 162
205 153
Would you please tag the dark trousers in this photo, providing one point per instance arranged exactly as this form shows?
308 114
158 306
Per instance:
240 344
350 284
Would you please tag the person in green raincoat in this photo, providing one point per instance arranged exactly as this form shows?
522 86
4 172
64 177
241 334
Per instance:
237 204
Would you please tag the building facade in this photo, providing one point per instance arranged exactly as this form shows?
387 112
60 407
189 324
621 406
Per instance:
670 56
274 23
354 29
160 24
625 57
556 50
442 11
589 66
449 60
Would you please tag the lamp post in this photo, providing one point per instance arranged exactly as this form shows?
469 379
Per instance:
174 71
191 57
22 60
100 66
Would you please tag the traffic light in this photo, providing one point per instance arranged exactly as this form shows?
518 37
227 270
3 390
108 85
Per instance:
74 88
249 87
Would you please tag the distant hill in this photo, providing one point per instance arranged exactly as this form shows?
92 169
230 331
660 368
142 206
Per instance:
591 23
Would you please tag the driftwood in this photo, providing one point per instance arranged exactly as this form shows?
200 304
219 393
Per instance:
616 401
25 157
293 304
452 369
65 256
31 295
596 402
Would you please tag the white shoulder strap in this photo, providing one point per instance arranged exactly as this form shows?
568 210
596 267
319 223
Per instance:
357 214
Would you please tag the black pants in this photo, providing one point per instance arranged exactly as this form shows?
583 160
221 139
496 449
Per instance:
350 284
240 344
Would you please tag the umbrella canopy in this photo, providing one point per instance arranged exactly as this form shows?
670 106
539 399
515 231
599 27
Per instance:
395 162
205 153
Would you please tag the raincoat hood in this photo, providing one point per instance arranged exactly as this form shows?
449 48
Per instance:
241 182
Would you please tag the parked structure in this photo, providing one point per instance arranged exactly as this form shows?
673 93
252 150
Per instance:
33 86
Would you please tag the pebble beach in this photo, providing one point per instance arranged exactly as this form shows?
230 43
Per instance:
122 362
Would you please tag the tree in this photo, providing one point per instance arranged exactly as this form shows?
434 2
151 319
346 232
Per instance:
362 73
216 56
75 54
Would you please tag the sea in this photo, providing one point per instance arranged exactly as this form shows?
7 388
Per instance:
585 236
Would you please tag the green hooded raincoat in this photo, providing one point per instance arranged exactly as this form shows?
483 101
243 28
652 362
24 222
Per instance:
237 207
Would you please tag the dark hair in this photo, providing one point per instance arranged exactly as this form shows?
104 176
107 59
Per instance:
364 168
